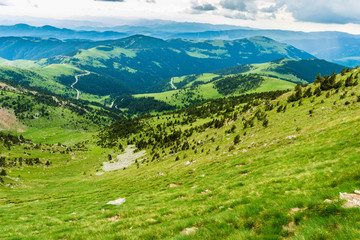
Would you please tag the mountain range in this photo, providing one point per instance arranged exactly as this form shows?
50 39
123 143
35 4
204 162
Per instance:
339 47
140 62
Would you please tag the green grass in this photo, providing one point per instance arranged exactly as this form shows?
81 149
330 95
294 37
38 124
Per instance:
273 84
266 69
245 193
186 96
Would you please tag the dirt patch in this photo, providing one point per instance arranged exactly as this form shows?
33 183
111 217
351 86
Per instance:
8 121
123 160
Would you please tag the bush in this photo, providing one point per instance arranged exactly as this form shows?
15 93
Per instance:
236 139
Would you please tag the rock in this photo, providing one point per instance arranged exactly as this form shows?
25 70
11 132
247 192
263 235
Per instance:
291 137
114 218
353 199
189 231
117 202
205 192
187 163
99 173
174 185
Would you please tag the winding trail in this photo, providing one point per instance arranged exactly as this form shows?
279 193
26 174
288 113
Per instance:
76 81
172 84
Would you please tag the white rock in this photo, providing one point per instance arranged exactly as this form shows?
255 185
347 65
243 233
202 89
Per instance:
291 137
117 202
187 163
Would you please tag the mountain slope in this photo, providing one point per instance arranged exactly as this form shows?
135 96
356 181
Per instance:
146 61
264 167
291 70
281 74
31 108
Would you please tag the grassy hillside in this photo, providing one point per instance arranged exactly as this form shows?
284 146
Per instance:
234 168
302 71
146 60
30 108
194 89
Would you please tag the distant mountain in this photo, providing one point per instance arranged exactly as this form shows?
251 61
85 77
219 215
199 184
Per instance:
338 47
31 48
24 30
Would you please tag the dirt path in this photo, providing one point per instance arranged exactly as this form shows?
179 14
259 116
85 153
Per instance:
112 104
76 80
172 84
123 160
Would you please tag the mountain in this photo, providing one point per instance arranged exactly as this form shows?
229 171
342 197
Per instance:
30 48
262 166
140 62
24 30
332 46
338 47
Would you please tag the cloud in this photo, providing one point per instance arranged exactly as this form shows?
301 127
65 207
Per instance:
324 11
151 1
316 11
239 5
204 7
4 3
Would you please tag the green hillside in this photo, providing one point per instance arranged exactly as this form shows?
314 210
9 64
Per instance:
31 109
140 62
194 89
292 70
260 166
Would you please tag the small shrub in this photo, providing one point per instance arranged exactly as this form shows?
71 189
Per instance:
236 139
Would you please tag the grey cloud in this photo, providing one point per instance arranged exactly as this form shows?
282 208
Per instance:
324 11
150 1
318 11
4 3
204 7
239 5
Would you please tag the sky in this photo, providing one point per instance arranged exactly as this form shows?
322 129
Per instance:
303 15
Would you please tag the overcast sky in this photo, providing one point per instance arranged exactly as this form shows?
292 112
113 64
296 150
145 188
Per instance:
305 15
